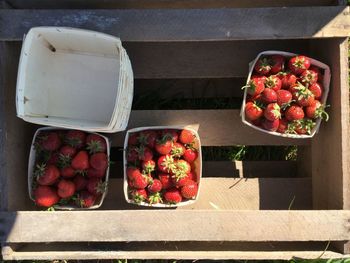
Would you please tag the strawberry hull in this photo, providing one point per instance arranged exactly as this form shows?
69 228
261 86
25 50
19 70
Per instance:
325 82
31 164
196 166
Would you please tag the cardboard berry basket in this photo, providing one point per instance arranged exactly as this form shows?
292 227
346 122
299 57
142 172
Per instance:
325 83
31 167
197 165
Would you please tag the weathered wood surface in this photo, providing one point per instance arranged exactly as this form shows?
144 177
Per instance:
178 225
187 24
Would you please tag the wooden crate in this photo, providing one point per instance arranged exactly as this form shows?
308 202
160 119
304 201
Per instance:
246 210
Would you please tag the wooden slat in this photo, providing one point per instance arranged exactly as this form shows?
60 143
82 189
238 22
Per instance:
185 25
179 225
216 127
233 193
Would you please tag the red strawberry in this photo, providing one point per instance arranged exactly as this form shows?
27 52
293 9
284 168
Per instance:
45 196
284 97
65 189
46 174
283 126
80 182
269 95
81 161
192 175
86 199
171 133
288 80
133 139
272 112
99 161
166 181
91 172
155 198
187 136
316 89
132 172
294 113
68 151
302 95
255 86
149 166
54 158
144 153
139 181
177 150
277 63
270 125
273 82
190 155
164 145
182 181
132 154
308 77
75 138
50 141
173 196
67 172
298 64
253 111
138 195
189 190
304 126
183 166
256 99
263 66
316 110
166 163
95 143
318 71
155 186
95 186
147 138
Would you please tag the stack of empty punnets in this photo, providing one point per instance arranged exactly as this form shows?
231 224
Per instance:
75 79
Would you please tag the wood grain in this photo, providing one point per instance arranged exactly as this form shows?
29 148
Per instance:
179 225
187 24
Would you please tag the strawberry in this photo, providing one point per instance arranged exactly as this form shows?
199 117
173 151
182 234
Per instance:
318 71
75 138
138 195
65 188
272 112
166 163
173 196
67 172
132 172
95 144
256 99
298 64
46 174
277 63
253 111
139 181
181 170
54 158
132 154
316 110
80 182
283 126
308 77
171 133
288 80
166 180
81 161
263 66
45 196
155 198
294 113
164 145
144 153
273 82
67 150
149 166
91 172
192 176
303 126
316 89
190 155
177 150
255 86
99 161
86 199
269 95
189 190
147 138
187 137
50 141
95 186
182 181
302 95
133 139
270 125
155 186
284 98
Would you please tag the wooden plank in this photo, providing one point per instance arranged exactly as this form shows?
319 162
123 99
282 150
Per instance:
216 127
178 225
146 4
233 194
187 24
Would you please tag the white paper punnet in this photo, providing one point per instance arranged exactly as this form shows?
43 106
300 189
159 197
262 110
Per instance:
325 83
74 79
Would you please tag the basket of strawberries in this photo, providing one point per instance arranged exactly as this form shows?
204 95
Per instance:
162 166
68 169
286 94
